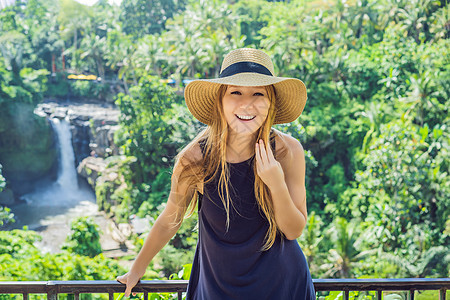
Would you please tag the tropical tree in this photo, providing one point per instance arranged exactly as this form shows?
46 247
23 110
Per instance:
120 49
405 170
310 240
413 16
346 254
198 39
142 17
420 259
73 18
94 48
251 20
285 37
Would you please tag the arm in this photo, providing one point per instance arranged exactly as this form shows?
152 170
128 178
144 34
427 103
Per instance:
286 182
165 227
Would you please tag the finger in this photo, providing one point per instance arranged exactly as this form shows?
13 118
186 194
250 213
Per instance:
262 148
128 291
270 155
119 279
258 158
258 153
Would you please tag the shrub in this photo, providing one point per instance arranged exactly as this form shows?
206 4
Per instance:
84 238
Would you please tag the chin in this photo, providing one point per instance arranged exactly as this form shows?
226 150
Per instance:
244 130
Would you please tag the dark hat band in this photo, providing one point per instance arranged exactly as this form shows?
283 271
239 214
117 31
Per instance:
244 67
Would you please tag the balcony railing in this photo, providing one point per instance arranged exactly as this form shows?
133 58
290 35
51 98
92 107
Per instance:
178 287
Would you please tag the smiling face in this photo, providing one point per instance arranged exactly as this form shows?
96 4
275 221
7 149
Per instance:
245 108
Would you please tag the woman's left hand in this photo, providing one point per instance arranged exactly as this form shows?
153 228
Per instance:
267 167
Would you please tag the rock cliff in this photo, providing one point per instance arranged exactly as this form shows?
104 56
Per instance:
92 125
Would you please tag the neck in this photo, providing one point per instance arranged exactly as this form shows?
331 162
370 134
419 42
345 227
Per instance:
240 146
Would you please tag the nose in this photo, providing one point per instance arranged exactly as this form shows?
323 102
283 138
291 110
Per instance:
247 102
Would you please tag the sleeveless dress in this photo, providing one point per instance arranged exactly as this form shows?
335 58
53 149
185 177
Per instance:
229 264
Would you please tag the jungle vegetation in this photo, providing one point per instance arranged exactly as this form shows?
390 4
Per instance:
375 128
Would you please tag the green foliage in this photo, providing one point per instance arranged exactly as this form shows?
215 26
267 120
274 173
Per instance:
140 17
160 189
153 127
5 213
172 259
20 259
58 86
374 129
18 243
6 216
251 20
180 250
200 37
113 190
88 89
26 151
2 180
403 170
84 238
144 130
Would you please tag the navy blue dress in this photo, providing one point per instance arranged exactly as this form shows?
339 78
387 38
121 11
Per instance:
229 264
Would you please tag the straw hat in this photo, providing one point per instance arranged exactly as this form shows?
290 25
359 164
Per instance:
247 67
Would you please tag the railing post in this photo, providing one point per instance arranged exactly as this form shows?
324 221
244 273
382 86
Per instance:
52 295
442 294
346 294
25 296
180 295
379 294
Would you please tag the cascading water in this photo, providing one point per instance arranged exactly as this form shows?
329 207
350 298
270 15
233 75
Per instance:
64 192
51 207
67 177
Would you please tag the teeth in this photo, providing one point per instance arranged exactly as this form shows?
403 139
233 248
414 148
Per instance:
245 117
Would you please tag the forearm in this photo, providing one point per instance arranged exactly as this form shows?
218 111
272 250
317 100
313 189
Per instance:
289 218
158 237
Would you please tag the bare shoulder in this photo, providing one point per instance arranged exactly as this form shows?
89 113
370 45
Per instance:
191 154
286 143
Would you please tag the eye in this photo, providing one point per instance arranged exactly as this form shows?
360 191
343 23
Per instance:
235 93
258 94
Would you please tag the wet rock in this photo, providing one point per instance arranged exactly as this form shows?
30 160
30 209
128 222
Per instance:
92 124
27 151
91 168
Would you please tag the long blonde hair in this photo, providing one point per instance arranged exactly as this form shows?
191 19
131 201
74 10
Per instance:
214 138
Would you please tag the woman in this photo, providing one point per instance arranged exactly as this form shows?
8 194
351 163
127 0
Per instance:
251 205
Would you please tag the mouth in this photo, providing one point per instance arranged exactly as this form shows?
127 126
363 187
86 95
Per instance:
245 117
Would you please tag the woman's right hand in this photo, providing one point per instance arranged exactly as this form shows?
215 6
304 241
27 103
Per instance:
130 279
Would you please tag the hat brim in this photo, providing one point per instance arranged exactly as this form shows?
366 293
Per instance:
291 96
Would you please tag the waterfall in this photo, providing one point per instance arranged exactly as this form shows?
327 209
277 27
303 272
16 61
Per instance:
51 207
64 192
67 176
